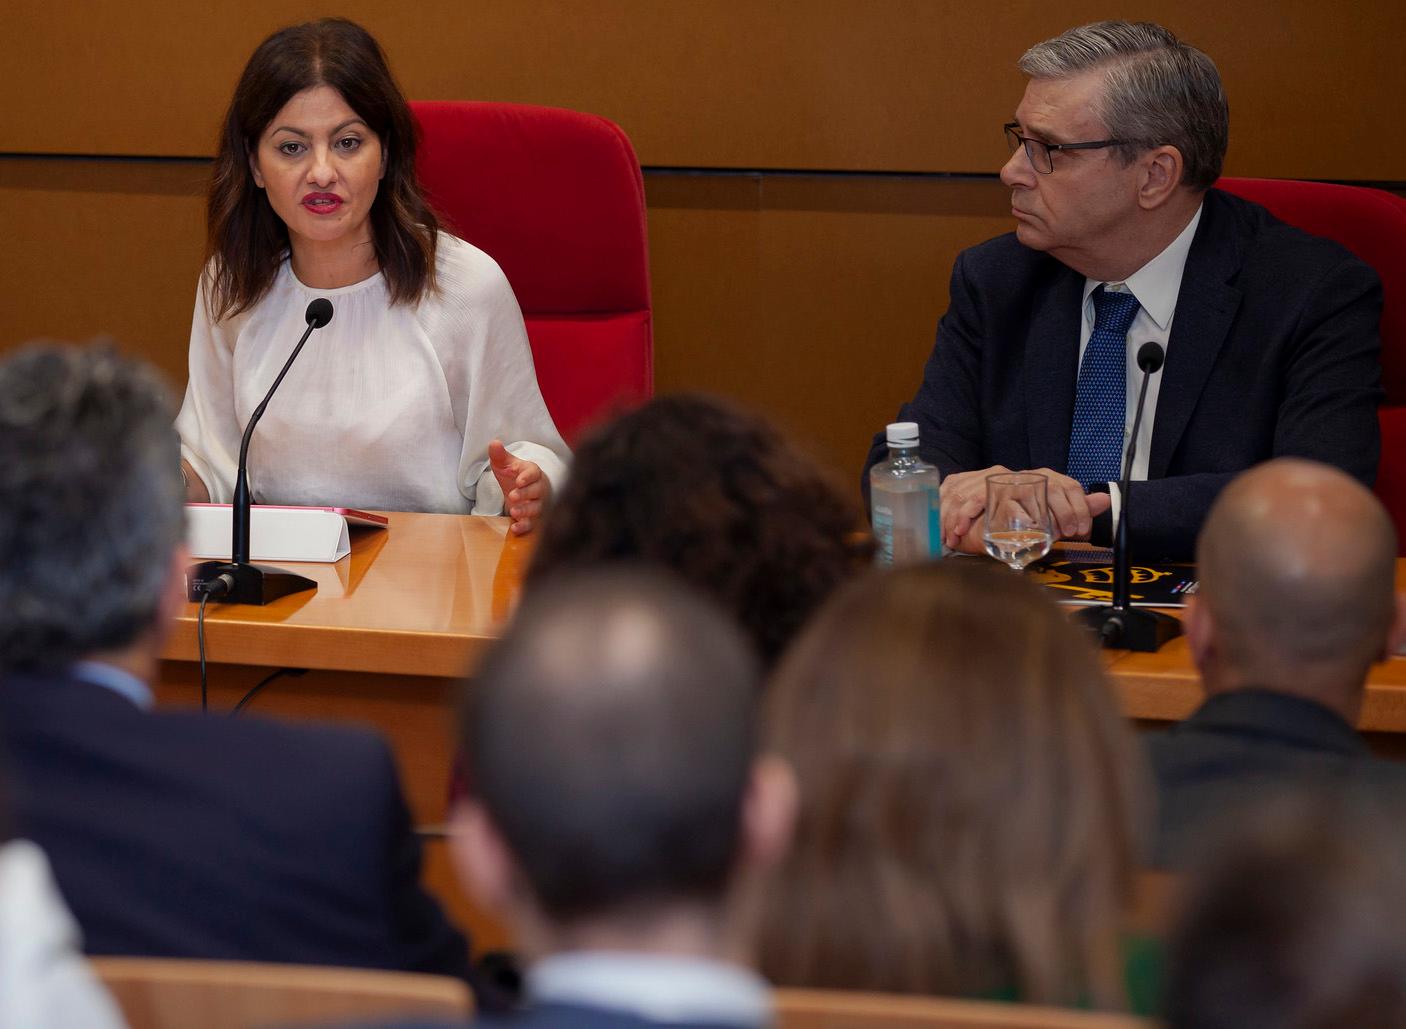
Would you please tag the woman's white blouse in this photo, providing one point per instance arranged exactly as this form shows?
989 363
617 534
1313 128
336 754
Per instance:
388 407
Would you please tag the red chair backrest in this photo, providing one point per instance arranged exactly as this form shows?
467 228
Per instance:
557 199
1372 224
1369 222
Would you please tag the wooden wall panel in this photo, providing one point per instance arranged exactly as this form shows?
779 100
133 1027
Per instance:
102 248
824 84
813 299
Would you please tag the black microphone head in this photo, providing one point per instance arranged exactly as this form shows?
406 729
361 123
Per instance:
1149 355
319 313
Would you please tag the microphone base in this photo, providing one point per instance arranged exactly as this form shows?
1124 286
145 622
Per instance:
1130 628
253 584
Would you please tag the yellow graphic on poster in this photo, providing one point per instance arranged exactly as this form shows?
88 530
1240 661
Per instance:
1152 585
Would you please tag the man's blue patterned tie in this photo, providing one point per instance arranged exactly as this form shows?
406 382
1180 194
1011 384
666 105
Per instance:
1100 405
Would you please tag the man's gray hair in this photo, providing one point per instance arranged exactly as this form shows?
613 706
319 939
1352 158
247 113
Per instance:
1157 90
90 502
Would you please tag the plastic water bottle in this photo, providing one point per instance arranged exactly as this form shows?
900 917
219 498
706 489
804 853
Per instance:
903 494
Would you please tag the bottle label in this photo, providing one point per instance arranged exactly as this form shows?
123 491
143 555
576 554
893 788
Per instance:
934 523
883 534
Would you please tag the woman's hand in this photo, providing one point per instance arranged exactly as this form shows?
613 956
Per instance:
196 490
525 489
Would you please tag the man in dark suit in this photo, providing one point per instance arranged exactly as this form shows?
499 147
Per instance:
619 815
1296 603
170 833
1270 335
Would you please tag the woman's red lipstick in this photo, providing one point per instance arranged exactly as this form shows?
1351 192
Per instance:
322 203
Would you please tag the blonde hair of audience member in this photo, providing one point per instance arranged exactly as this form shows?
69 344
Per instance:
967 791
1297 567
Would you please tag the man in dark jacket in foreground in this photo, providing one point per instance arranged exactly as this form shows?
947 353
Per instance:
170 833
1296 602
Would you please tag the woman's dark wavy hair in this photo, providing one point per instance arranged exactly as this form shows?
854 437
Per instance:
245 239
719 496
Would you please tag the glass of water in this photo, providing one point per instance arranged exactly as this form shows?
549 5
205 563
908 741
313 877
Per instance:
1018 526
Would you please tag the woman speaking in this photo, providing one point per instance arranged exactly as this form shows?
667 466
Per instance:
402 402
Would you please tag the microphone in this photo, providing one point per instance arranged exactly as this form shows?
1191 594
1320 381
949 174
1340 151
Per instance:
1149 356
236 580
1120 624
319 313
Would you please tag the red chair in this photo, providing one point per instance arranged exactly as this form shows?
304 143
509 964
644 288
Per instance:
557 199
1372 224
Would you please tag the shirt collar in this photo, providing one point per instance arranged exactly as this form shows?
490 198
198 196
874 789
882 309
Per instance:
115 679
655 987
1157 283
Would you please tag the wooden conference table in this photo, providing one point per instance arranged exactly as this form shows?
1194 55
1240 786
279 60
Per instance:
394 626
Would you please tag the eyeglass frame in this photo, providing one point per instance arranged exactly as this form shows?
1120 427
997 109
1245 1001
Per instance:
1010 127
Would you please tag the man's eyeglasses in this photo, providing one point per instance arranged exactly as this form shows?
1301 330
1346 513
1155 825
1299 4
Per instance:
1041 153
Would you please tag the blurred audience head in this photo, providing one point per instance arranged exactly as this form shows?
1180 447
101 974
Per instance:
91 515
245 237
966 795
720 497
1296 923
616 795
1297 568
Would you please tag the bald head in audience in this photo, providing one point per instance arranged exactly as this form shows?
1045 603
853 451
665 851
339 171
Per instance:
617 801
1297 565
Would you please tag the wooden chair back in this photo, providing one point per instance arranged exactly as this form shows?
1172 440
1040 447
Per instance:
834 1009
173 993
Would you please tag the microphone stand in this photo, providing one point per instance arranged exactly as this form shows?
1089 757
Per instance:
1120 625
237 581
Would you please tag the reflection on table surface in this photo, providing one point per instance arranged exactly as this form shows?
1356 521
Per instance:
417 598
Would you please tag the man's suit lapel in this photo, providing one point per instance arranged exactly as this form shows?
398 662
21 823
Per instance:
1052 369
1206 306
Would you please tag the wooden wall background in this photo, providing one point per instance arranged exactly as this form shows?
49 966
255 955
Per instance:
812 166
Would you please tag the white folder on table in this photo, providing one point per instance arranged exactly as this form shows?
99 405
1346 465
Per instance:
275 533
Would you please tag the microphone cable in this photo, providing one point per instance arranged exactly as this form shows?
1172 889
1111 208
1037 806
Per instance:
292 673
200 642
217 587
